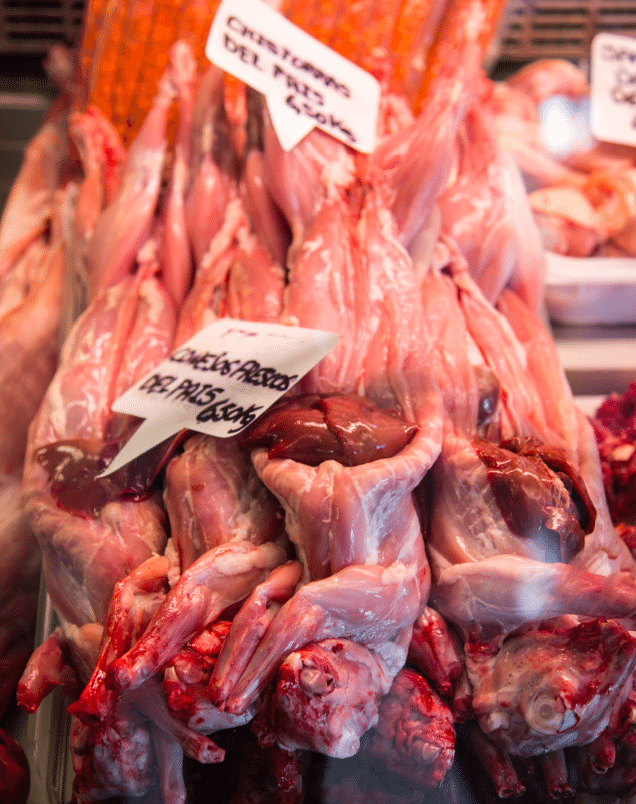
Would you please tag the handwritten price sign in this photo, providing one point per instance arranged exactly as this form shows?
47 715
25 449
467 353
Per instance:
306 83
613 88
219 382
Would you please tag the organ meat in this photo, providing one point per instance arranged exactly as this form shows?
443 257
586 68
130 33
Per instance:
602 553
538 494
315 428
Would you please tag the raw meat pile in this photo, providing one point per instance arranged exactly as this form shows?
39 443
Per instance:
614 423
407 560
583 201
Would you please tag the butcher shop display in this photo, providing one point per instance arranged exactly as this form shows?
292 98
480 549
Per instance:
411 578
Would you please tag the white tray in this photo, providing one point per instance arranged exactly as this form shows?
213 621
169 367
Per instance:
591 290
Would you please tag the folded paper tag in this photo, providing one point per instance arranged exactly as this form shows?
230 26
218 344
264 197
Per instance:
219 382
613 88
306 84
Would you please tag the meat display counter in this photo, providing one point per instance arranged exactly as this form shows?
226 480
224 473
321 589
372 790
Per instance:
597 361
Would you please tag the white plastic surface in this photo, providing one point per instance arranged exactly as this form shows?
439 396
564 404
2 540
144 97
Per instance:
591 290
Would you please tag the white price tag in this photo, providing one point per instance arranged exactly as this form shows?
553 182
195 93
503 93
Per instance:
219 382
613 88
306 83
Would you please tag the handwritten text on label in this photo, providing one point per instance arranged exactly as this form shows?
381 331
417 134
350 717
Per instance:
255 43
613 88
219 382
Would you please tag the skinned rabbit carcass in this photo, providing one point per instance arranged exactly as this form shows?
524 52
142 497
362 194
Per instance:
341 572
140 684
525 561
403 571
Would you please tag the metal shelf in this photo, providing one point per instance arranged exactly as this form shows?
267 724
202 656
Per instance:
533 29
530 28
597 360
31 28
